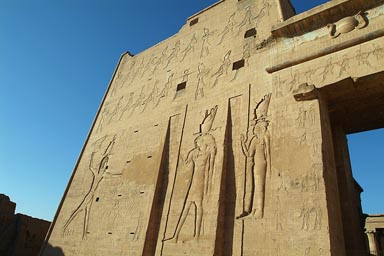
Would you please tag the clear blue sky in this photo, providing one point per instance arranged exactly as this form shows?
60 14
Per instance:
56 60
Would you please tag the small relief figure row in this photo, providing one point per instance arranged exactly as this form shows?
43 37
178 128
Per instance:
128 105
138 69
332 69
249 20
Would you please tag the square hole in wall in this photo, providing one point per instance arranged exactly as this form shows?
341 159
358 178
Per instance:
181 86
194 21
238 64
250 32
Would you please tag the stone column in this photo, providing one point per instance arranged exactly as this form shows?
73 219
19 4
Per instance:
372 242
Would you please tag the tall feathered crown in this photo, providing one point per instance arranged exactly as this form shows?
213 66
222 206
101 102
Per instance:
261 109
206 124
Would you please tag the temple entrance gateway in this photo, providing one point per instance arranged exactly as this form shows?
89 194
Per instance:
246 152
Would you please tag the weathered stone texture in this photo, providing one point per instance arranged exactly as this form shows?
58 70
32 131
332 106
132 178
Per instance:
20 235
223 141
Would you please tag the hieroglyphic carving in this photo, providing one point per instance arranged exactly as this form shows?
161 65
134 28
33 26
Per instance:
284 182
311 217
202 158
99 142
258 161
98 174
277 87
138 102
118 84
174 53
245 57
264 10
278 218
228 28
328 69
190 47
378 51
306 117
247 53
294 81
164 92
363 58
247 20
223 68
122 79
309 75
205 45
126 106
201 74
310 181
151 97
344 66
302 138
185 75
138 70
103 117
160 61
148 64
115 110
347 24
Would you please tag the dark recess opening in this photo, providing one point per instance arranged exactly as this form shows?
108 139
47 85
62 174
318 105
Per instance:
194 21
250 32
181 86
238 64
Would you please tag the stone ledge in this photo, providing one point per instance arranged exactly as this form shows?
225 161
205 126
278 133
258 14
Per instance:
320 16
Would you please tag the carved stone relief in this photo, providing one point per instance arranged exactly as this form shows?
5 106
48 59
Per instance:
126 106
245 57
294 81
99 172
164 92
140 98
147 66
173 55
328 69
202 160
363 58
190 47
104 115
118 83
258 161
347 24
206 45
311 216
344 66
115 110
138 70
228 28
247 20
278 217
223 69
160 61
202 72
277 87
151 97
264 10
378 51
306 117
